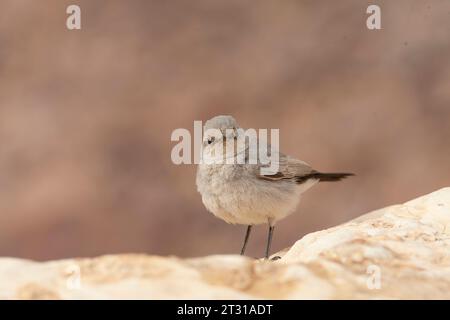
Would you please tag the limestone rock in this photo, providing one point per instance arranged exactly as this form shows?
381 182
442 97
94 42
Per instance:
399 252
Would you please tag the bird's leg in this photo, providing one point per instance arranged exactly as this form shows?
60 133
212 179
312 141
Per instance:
269 240
247 235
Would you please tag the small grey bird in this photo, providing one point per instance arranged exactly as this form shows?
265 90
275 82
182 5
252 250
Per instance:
239 193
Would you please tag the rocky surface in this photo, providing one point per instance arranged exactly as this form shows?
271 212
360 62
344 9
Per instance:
399 252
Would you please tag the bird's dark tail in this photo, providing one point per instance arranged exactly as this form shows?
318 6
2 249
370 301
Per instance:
324 176
333 176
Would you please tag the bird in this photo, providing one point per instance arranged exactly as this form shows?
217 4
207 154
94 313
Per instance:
240 192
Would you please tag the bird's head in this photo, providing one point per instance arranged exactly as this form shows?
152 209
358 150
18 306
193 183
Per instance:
218 133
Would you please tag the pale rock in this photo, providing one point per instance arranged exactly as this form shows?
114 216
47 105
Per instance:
399 252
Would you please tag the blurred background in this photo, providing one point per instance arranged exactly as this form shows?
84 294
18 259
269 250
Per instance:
86 116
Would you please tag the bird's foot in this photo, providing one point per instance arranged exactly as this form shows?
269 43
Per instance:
275 258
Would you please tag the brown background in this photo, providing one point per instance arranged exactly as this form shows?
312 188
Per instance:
86 116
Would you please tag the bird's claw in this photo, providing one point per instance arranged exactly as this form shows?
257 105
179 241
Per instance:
275 258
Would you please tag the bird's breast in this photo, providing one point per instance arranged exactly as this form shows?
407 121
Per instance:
236 195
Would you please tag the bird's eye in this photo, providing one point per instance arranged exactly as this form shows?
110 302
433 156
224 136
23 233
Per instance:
211 140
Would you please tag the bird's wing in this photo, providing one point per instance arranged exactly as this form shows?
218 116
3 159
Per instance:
288 168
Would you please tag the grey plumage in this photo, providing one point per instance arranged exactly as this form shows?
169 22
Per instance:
240 193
